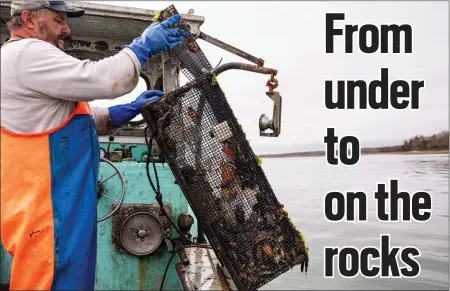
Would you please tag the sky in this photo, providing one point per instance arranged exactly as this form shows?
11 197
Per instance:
290 37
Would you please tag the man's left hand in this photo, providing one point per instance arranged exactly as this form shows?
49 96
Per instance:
121 114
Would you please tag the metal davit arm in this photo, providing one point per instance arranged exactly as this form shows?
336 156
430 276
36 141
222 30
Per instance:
244 67
230 48
272 83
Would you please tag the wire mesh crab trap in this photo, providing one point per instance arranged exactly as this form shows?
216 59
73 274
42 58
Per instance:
219 174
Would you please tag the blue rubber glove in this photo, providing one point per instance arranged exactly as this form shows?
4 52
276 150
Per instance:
121 114
157 38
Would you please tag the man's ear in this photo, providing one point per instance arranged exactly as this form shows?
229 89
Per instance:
28 20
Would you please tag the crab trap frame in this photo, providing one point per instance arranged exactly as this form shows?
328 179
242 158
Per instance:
214 165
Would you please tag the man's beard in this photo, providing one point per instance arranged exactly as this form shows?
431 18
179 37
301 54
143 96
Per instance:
46 35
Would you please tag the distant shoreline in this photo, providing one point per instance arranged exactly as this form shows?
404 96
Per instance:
418 145
422 152
363 152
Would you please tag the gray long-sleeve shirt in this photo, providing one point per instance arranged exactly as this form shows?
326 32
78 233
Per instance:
41 85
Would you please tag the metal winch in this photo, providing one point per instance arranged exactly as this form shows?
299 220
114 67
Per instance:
140 229
141 233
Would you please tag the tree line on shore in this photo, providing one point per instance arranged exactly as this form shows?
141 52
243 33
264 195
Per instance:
438 141
435 142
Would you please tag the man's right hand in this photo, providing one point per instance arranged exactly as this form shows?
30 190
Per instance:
158 37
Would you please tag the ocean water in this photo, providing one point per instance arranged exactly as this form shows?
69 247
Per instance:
301 185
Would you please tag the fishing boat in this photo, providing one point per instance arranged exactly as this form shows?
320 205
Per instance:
174 241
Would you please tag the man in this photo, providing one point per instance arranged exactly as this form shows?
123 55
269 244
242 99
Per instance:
49 144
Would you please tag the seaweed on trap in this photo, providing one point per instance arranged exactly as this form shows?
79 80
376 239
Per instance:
219 174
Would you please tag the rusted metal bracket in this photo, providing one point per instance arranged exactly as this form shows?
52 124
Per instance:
275 123
258 61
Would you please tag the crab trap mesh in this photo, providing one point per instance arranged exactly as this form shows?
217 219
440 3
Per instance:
220 176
